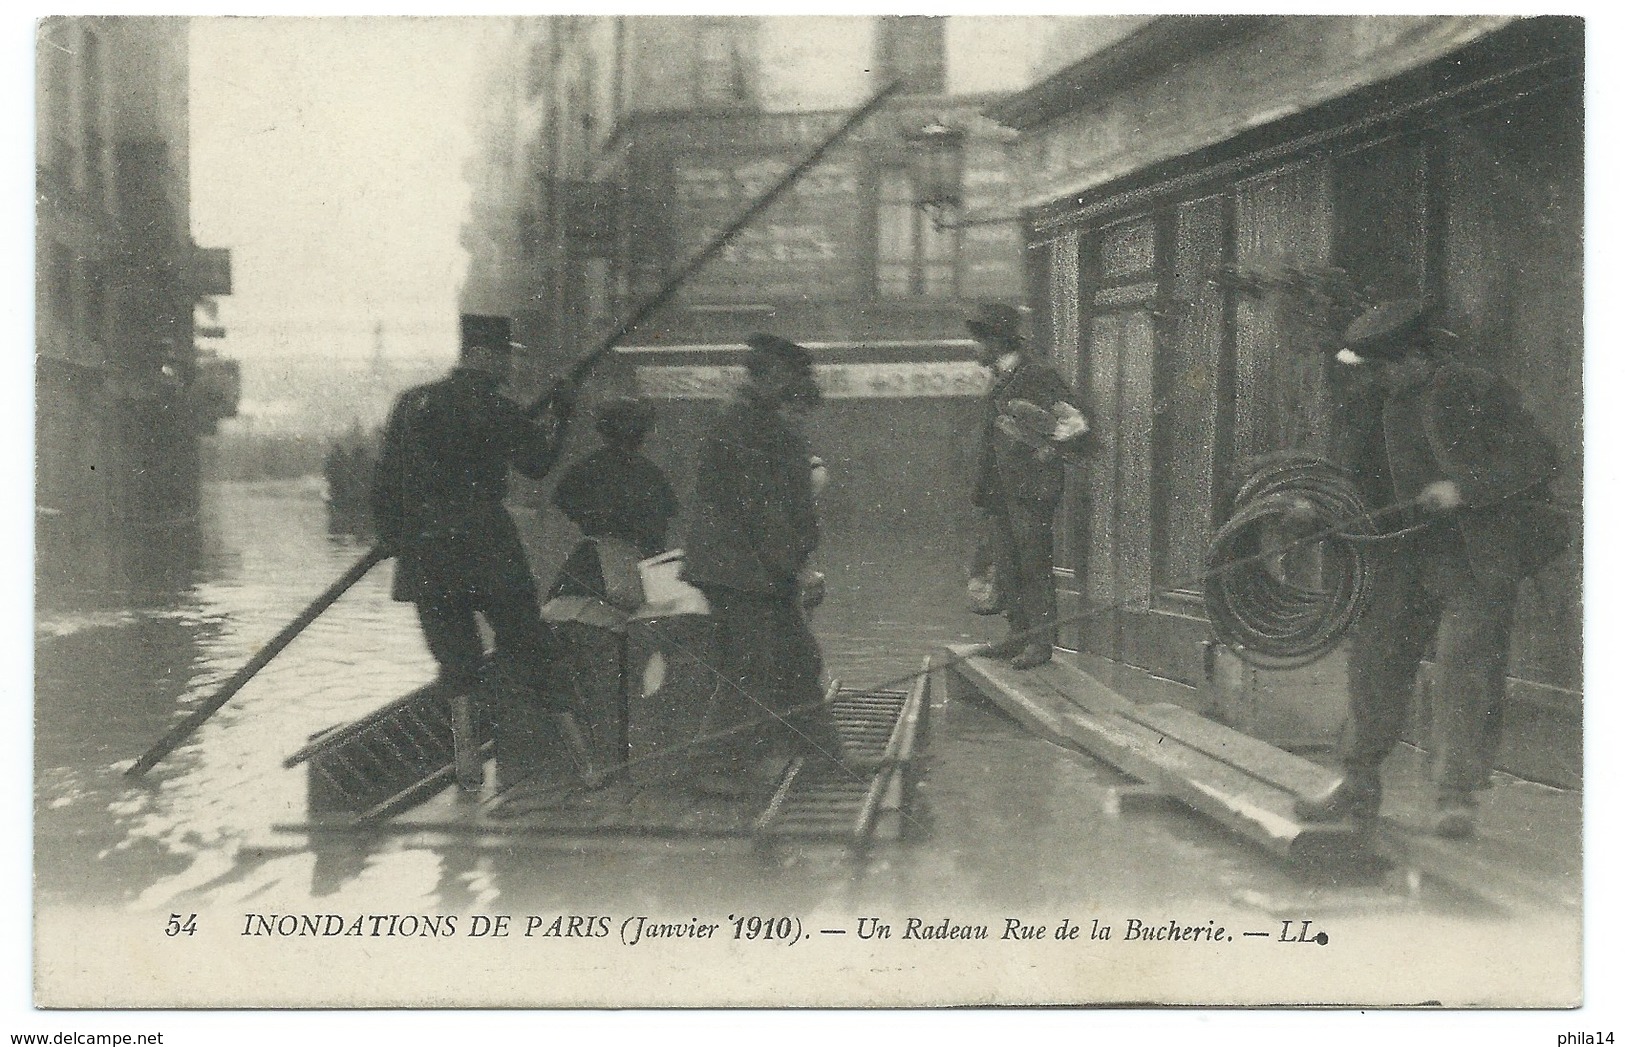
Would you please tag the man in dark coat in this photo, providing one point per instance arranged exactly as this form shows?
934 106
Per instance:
1453 446
438 504
754 528
1019 476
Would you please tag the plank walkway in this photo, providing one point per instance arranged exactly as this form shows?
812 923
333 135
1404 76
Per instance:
1524 858
1240 782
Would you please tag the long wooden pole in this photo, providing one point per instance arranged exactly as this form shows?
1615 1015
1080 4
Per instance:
577 371
261 659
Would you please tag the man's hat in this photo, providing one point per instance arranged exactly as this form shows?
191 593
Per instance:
487 332
765 347
996 322
625 419
1385 331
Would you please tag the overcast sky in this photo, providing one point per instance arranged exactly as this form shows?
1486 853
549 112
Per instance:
327 154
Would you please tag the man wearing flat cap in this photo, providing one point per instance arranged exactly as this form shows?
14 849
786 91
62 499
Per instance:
1452 446
437 503
754 529
1031 426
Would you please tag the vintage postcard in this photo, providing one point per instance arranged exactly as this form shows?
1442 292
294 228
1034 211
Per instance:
641 511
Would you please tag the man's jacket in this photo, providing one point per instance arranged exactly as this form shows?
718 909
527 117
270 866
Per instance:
441 478
1007 468
1467 425
616 493
754 524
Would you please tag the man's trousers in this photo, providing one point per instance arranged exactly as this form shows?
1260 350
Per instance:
1425 589
1025 563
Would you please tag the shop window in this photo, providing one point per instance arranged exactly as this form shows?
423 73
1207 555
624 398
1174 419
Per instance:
913 259
913 48
1187 405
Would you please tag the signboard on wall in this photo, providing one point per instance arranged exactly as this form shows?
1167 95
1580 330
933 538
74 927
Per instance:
809 243
817 241
838 381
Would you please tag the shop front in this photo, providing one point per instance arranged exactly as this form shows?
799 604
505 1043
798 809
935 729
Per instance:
1209 202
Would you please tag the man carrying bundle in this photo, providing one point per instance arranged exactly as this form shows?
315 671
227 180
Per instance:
1031 426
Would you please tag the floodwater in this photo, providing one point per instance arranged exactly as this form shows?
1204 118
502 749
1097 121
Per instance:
1005 820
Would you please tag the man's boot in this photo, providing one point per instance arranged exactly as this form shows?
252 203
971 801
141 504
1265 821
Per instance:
1456 817
1357 798
1032 656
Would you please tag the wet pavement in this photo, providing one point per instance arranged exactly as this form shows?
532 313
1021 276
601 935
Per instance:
1004 820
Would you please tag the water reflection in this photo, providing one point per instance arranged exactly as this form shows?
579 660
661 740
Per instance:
1004 818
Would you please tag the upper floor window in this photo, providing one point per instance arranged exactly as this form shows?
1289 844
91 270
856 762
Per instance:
913 47
913 258
56 68
90 105
722 67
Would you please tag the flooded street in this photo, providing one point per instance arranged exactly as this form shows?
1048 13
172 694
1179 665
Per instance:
110 682
1006 825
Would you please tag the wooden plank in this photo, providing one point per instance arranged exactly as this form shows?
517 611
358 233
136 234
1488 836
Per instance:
1489 866
1253 809
1253 757
893 822
1248 785
1260 759
1133 796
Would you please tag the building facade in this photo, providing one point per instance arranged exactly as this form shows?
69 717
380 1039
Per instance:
1208 201
617 148
122 391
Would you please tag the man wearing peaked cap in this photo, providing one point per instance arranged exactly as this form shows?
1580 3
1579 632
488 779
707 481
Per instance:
779 368
437 504
1385 331
1031 425
755 527
1452 445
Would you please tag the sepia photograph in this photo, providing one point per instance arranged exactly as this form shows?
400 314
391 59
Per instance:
599 511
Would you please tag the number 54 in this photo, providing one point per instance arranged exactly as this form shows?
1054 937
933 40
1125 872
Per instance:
179 926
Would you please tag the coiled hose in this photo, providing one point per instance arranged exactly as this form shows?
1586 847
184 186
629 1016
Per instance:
1288 573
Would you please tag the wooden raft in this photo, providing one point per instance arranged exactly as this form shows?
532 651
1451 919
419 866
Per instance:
854 811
